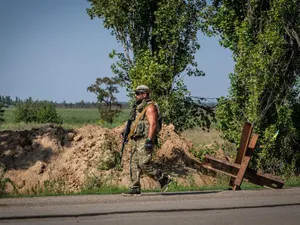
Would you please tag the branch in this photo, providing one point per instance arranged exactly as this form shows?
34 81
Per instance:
123 40
293 35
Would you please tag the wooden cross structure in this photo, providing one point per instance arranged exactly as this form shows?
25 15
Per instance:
239 171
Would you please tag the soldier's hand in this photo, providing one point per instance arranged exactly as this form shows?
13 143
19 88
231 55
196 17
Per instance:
148 145
122 134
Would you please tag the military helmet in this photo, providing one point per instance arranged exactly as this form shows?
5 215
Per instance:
143 88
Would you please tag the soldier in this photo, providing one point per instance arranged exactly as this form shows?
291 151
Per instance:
143 135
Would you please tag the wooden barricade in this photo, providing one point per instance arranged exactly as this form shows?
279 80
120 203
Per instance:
239 171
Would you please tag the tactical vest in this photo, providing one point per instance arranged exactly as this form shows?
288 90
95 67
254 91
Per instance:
142 124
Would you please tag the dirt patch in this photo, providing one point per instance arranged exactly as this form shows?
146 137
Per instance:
56 159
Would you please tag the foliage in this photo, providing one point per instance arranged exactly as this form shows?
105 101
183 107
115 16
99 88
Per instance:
159 39
4 181
1 111
200 153
188 113
265 39
109 108
7 100
37 112
72 118
48 188
93 182
8 103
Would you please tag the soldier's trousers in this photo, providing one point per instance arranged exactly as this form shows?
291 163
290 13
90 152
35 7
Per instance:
141 163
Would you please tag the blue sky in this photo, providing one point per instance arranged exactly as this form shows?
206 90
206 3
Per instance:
51 50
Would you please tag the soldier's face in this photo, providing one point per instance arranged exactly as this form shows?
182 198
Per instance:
140 95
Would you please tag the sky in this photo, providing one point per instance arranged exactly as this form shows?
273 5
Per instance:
52 50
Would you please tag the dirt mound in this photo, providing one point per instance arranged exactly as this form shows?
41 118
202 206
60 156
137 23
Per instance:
54 159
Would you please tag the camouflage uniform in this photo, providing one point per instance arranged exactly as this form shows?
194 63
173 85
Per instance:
140 156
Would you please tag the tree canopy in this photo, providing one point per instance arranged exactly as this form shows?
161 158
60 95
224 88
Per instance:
105 88
265 39
159 39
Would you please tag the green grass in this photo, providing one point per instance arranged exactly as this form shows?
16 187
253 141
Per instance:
206 142
174 187
293 181
8 115
206 137
72 118
79 116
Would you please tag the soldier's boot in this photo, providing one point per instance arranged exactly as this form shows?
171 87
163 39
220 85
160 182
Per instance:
132 191
164 182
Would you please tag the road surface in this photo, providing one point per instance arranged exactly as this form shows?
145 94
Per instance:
259 207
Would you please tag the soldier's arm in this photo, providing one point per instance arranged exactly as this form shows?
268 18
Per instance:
151 114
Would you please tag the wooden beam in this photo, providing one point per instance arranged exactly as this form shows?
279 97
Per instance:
245 162
246 134
265 180
232 169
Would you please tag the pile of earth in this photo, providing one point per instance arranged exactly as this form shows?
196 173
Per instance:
60 160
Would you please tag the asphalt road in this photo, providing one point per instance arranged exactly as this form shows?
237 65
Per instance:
216 207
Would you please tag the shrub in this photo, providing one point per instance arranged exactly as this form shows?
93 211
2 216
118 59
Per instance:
36 112
46 113
1 111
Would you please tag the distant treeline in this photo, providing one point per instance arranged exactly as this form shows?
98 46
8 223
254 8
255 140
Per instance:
9 102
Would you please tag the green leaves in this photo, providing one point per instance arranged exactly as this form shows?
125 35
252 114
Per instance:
105 88
36 112
159 38
1 111
263 37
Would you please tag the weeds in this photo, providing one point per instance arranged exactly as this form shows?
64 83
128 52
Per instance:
47 188
98 185
4 181
200 153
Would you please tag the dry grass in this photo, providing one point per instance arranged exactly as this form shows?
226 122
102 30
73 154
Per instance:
212 139
201 138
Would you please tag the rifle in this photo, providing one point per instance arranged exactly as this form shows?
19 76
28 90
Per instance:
125 137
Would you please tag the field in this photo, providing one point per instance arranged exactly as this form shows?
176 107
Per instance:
204 142
77 117
72 118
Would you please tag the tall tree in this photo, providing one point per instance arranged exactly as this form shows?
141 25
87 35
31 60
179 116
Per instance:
264 36
105 88
159 39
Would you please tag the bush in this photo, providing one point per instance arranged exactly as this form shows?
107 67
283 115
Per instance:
36 112
46 113
1 111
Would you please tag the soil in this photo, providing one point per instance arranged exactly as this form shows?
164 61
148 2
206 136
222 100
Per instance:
56 159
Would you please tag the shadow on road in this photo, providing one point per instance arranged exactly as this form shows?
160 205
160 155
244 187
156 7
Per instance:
180 193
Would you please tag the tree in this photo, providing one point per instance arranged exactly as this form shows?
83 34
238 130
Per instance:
109 108
6 100
265 39
159 39
1 111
